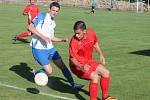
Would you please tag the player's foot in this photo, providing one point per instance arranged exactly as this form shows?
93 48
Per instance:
20 39
109 98
33 70
16 38
78 86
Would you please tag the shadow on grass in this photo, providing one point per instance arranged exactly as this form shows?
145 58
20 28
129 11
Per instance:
20 41
58 84
87 12
142 52
55 83
33 90
24 71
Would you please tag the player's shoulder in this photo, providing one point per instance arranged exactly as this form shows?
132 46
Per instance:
73 42
42 15
34 6
73 39
91 31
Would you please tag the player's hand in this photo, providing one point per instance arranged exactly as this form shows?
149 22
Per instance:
102 60
65 39
46 39
86 67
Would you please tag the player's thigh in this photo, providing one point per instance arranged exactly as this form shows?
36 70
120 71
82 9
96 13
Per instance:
40 56
93 66
56 58
53 54
102 70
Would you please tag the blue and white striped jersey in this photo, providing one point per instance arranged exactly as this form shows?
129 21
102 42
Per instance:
44 25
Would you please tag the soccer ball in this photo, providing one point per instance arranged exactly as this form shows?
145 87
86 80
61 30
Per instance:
41 79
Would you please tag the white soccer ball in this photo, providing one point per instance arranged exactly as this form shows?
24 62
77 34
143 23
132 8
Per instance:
41 79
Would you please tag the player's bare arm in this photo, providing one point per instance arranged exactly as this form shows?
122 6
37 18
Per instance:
34 31
100 53
55 39
25 13
76 63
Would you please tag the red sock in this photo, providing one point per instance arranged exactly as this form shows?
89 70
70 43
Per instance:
24 34
93 88
104 82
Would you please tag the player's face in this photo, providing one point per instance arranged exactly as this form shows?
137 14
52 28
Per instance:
54 11
80 34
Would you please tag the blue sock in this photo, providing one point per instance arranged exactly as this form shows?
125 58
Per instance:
39 71
68 75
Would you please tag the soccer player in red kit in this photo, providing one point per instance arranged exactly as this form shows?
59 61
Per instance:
84 65
32 11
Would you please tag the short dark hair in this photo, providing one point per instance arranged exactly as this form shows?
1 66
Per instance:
79 25
56 4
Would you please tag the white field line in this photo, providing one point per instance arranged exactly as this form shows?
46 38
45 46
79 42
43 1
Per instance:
41 93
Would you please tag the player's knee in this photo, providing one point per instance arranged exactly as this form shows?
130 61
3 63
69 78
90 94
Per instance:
94 77
48 71
106 73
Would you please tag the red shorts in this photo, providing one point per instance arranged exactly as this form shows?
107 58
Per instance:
85 74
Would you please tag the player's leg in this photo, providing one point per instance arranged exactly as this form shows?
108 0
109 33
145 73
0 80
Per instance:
59 62
93 86
67 73
104 81
92 75
22 35
64 70
48 69
92 9
41 56
56 58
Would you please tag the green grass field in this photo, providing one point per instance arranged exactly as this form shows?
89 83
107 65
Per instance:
124 38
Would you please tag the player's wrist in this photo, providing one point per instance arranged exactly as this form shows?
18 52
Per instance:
63 40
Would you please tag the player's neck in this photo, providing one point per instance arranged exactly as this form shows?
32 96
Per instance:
85 35
52 18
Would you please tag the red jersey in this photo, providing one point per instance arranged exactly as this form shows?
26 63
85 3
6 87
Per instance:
82 50
32 11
